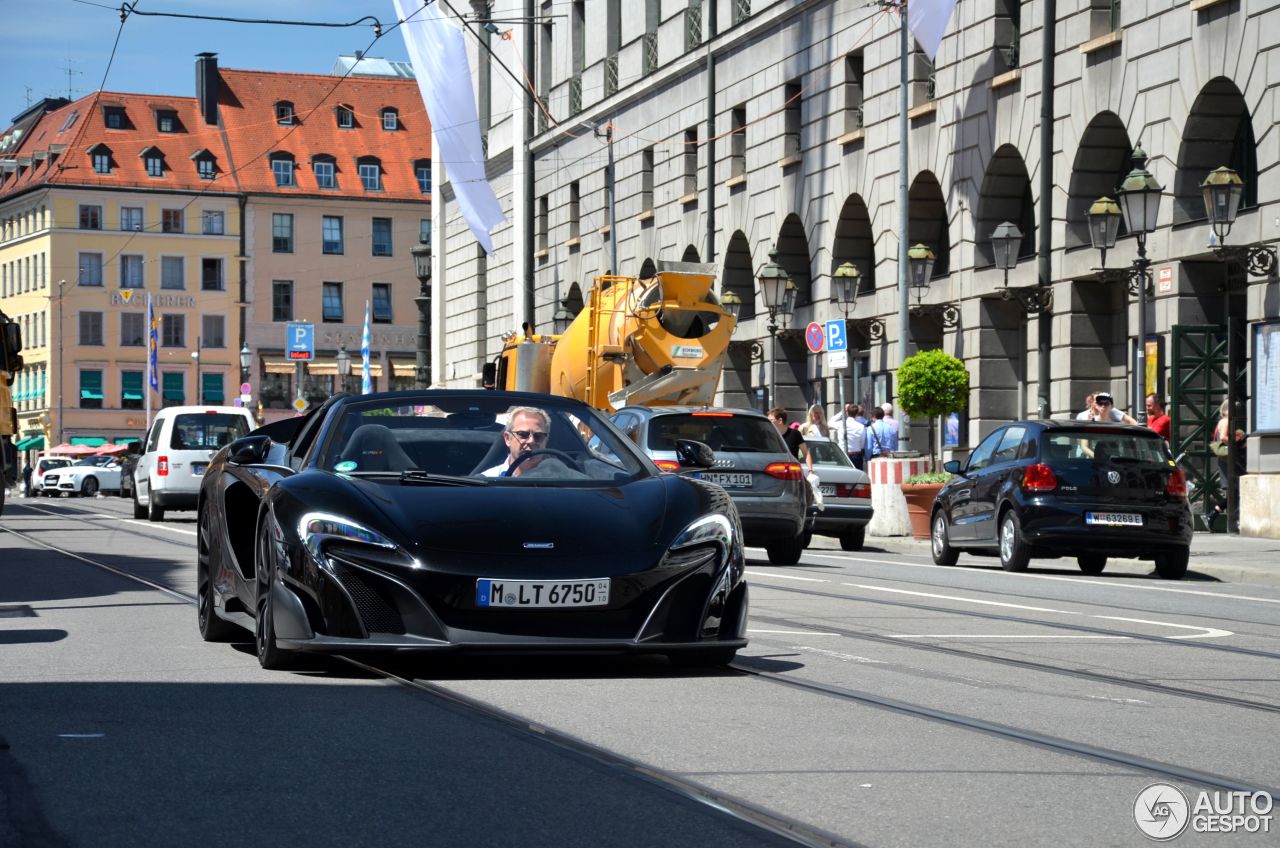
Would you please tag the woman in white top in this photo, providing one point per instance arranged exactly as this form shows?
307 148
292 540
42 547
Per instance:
816 423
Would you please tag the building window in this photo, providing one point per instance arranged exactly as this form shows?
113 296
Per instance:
854 76
924 86
390 120
211 274
346 118
793 118
690 156
281 232
90 389
90 269
424 231
91 328
173 330
131 218
277 390
422 170
281 300
1008 25
212 223
541 223
213 331
332 303
155 166
131 272
131 390
114 117
206 169
575 208
284 113
324 174
171 221
738 141
90 217
332 234
371 177
578 36
133 329
382 303
646 179
381 236
172 389
282 170
167 122
173 272
102 163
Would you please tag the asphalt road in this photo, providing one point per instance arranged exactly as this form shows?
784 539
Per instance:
882 701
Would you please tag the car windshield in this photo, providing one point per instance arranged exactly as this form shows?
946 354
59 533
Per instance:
721 431
206 430
1103 445
422 440
826 453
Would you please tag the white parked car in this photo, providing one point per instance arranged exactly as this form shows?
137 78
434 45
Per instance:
87 477
177 450
44 465
846 494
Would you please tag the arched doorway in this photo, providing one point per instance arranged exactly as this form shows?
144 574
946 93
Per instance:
790 376
648 270
1102 160
927 220
690 255
1005 196
1219 131
739 380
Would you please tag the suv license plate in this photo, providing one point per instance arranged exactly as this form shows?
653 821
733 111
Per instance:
1114 519
729 481
542 594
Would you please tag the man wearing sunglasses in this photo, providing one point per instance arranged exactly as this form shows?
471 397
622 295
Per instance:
1104 409
527 430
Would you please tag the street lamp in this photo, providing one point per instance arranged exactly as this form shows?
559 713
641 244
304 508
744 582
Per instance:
344 367
422 269
1139 202
1006 238
61 283
774 285
195 360
246 361
1104 225
561 319
920 261
844 290
1223 190
732 304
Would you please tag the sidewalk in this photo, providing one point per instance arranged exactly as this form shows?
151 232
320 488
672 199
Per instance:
1215 557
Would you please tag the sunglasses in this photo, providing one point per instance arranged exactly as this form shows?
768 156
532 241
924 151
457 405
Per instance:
1104 403
526 435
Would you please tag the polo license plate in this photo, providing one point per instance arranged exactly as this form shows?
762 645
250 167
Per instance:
541 594
1114 519
729 481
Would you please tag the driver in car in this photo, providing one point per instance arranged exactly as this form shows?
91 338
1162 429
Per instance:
527 430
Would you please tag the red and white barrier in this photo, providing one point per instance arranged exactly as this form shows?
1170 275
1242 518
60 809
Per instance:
887 475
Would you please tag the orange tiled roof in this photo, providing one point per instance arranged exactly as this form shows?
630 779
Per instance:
252 135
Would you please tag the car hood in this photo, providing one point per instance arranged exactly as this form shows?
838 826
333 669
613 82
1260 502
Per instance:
499 529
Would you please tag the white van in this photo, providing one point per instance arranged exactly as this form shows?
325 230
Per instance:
177 450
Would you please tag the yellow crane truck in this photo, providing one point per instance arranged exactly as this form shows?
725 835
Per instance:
10 364
658 341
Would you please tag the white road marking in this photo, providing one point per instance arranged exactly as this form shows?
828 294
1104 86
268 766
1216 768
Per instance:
1209 632
755 573
999 636
957 598
792 632
112 517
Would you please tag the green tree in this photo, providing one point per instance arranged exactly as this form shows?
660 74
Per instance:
932 383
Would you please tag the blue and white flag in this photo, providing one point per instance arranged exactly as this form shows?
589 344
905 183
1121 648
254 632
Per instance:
366 384
927 19
438 54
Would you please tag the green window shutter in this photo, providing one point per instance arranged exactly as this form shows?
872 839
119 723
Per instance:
172 388
131 385
211 388
91 385
88 441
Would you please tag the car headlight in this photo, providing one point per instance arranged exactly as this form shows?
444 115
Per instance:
317 528
710 535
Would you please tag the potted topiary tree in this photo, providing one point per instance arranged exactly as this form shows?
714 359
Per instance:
930 384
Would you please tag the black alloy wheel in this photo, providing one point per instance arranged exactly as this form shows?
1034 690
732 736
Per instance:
853 539
940 541
1091 563
1015 554
270 656
212 628
89 487
1172 565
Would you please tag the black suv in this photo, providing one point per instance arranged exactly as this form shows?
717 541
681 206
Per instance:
1066 488
751 462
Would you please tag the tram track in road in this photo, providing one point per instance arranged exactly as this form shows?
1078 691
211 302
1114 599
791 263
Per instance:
156 532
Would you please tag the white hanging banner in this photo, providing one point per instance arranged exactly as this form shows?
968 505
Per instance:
438 53
927 20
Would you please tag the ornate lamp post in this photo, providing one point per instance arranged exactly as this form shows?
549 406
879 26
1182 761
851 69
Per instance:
246 362
1006 239
422 268
774 285
844 291
1104 226
561 319
344 367
920 261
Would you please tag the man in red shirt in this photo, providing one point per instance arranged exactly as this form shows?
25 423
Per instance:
1157 419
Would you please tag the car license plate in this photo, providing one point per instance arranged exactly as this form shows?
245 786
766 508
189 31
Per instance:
827 490
729 481
197 468
1114 519
541 594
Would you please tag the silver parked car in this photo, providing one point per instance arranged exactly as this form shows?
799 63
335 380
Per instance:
846 494
751 462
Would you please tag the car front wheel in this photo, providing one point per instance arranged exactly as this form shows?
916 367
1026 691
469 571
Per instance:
1014 552
90 487
1172 565
940 541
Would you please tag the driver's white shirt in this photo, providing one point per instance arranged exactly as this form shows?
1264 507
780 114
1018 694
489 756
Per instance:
497 470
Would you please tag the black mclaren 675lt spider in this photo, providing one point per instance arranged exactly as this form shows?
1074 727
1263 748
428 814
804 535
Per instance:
465 520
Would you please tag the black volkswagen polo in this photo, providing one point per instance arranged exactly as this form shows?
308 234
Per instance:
1066 488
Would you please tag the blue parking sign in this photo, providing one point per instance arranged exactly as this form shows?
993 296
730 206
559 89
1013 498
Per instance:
300 342
836 338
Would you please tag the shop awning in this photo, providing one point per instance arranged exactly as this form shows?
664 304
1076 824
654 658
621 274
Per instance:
278 365
32 443
88 441
322 369
128 440
402 368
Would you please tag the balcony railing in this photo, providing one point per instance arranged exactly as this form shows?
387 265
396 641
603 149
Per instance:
610 75
575 94
650 52
692 27
741 10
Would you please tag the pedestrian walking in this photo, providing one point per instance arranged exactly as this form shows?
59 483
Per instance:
27 471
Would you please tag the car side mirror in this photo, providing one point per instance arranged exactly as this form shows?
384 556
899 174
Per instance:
694 454
952 466
249 450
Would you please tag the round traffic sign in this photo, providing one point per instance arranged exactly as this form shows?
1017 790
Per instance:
815 337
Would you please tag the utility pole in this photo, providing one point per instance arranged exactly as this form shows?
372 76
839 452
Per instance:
904 212
1045 320
609 198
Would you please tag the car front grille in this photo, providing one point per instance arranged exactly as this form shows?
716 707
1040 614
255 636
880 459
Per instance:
376 610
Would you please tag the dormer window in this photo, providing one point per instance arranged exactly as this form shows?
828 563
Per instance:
206 164
101 157
422 170
154 160
284 113
166 121
370 173
113 117
324 168
390 120
282 170
346 118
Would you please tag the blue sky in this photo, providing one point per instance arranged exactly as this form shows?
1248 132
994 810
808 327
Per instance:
157 55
